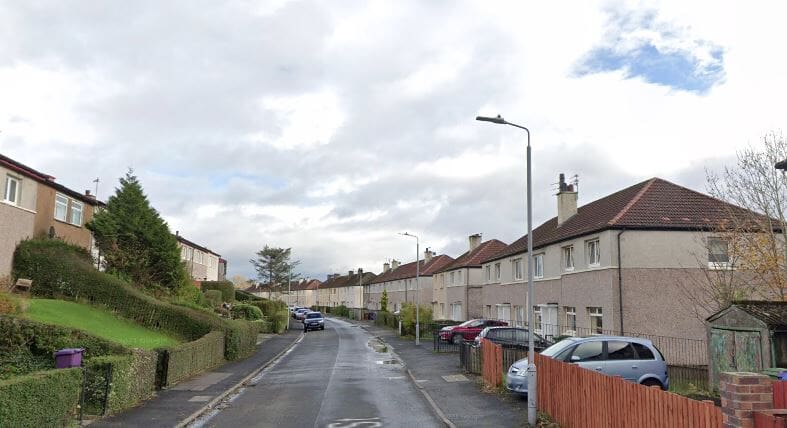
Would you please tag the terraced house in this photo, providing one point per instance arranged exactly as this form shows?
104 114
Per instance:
457 287
399 282
617 264
347 290
34 205
202 264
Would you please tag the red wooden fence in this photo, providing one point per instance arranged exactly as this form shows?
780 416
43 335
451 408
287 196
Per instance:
576 397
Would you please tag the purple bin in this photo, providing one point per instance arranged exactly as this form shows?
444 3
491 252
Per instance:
69 357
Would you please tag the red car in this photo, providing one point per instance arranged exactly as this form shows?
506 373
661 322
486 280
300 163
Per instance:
468 330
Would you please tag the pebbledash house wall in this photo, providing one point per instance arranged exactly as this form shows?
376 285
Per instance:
396 293
657 268
18 220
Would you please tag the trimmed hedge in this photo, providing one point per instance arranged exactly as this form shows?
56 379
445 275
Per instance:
227 289
246 312
180 362
63 270
132 381
213 298
43 399
243 296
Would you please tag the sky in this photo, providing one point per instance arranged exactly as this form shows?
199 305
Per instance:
331 127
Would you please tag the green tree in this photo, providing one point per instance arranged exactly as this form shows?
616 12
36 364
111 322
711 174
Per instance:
135 241
384 301
274 267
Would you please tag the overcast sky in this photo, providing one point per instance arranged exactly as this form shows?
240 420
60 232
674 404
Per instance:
329 127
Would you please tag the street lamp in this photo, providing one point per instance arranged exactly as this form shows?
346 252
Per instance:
531 366
417 287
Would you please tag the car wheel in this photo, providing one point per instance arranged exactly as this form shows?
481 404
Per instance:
652 382
457 339
322 328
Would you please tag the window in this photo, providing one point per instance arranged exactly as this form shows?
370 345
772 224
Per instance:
643 352
76 213
453 279
456 311
571 320
596 320
516 268
538 266
442 310
504 312
594 255
61 207
488 273
617 350
588 351
537 327
718 252
497 271
568 258
520 316
12 190
488 311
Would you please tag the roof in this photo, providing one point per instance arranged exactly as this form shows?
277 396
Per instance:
185 241
46 179
653 204
772 313
349 280
474 258
310 284
408 270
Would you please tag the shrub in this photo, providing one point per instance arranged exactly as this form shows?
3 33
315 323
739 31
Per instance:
246 312
341 311
9 304
269 306
279 321
213 298
386 319
179 362
226 288
41 399
132 381
243 296
240 339
407 314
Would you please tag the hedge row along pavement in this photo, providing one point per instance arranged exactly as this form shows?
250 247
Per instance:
42 399
131 380
63 270
227 289
179 362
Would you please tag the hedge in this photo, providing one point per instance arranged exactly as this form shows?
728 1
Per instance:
246 312
243 296
213 297
227 289
385 318
179 362
132 380
42 399
63 270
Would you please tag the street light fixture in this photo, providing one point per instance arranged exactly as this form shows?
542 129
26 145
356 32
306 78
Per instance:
531 366
417 287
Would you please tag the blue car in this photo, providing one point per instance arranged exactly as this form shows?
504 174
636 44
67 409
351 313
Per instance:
631 358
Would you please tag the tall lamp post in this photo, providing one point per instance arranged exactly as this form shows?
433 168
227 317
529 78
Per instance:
417 287
532 399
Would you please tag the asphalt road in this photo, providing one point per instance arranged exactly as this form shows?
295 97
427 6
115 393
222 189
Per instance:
339 377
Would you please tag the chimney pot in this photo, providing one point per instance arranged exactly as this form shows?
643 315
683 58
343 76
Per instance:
566 201
386 267
474 241
350 273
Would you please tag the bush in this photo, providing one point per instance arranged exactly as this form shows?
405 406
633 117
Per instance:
246 312
244 296
407 313
386 319
43 399
9 304
341 311
132 381
240 340
213 298
179 362
226 288
269 306
279 321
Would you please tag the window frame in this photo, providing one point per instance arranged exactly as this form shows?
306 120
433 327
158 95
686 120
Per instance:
538 321
715 264
64 205
73 210
568 256
571 326
594 248
517 271
9 179
497 271
597 313
488 273
538 266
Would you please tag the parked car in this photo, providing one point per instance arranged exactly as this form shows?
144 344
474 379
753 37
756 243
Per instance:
468 330
301 313
513 336
631 358
313 321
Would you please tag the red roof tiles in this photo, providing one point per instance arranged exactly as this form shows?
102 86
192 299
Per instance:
474 258
408 270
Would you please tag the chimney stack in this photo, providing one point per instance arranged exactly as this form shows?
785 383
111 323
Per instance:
566 200
394 264
386 267
350 273
475 241
427 256
360 271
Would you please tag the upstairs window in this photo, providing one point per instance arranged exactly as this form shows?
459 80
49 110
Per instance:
594 255
497 271
516 268
488 273
61 207
11 190
718 252
76 213
538 266
568 258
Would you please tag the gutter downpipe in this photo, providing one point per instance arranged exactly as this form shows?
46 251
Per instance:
620 283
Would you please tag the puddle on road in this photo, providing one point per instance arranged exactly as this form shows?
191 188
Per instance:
378 345
392 361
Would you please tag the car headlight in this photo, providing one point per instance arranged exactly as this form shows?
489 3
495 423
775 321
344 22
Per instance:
514 371
320 321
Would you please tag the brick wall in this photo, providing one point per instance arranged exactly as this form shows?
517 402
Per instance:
742 393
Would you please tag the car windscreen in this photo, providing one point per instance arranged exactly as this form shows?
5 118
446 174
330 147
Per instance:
557 347
314 315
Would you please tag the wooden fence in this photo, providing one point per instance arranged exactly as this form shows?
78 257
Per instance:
576 397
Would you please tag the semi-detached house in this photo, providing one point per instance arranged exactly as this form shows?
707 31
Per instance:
616 264
400 283
347 290
201 263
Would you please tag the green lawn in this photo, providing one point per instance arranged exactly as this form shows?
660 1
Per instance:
96 322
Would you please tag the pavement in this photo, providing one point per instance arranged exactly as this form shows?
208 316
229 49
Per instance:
185 401
457 397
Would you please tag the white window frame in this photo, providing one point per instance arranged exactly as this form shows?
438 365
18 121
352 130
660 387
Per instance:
488 273
594 252
459 277
503 311
571 326
516 269
497 271
713 264
538 266
568 258
76 207
10 179
595 312
520 316
61 201
453 279
538 324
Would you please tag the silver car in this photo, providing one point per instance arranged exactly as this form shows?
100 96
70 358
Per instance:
631 358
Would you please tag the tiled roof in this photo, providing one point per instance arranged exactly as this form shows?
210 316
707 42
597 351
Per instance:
47 180
774 314
474 258
408 270
349 280
186 242
654 204
311 284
